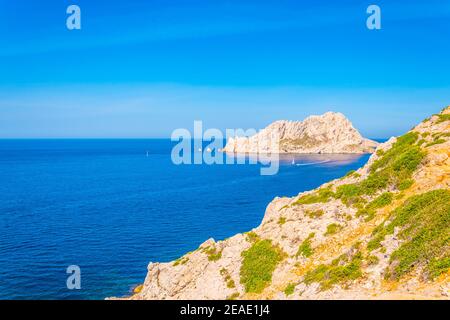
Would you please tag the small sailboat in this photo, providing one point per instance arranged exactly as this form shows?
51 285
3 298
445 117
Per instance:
147 153
293 161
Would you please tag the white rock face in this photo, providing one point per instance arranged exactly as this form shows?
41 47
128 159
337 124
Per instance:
331 132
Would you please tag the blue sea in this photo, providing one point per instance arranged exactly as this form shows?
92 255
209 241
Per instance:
112 206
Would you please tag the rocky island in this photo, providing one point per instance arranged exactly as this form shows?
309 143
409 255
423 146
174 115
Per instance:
331 132
380 232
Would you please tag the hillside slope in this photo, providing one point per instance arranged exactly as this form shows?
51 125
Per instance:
381 232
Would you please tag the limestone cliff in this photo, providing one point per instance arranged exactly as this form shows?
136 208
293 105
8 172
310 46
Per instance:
328 133
381 232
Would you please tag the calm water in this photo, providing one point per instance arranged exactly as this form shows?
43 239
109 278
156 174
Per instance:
110 208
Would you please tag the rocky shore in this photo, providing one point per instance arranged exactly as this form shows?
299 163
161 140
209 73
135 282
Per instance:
380 232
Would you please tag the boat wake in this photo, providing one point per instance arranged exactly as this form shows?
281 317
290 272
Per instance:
312 163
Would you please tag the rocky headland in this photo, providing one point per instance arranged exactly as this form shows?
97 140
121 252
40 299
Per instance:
331 132
380 232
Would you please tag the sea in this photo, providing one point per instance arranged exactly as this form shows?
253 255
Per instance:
112 206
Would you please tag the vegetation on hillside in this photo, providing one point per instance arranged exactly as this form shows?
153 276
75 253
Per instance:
341 270
180 261
332 229
212 253
305 248
259 262
381 201
394 168
322 195
251 236
289 289
314 213
423 222
443 117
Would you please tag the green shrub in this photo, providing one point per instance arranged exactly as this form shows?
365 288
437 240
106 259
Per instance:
443 117
381 201
320 196
408 161
424 221
421 142
436 267
305 248
372 260
259 262
231 284
350 194
437 141
347 191
281 221
350 173
357 202
405 184
374 182
332 229
212 253
336 272
233 296
289 289
402 144
439 135
314 213
252 236
182 260
369 214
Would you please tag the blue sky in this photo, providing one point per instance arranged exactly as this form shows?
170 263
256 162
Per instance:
144 68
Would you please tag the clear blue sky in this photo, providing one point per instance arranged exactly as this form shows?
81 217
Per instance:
144 68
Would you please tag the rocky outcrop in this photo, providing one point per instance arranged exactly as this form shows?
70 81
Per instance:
380 232
328 133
